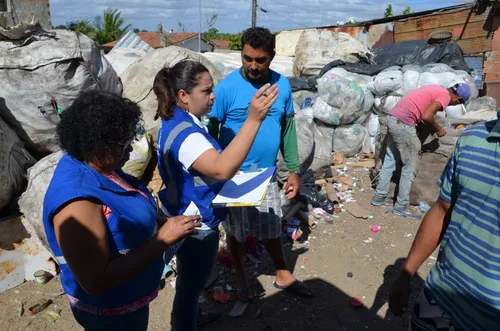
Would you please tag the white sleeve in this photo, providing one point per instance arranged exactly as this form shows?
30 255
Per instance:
191 148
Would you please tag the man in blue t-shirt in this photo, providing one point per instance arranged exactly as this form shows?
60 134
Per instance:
230 110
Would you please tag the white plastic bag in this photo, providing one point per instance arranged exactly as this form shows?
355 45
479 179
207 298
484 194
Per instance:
386 82
326 113
455 111
340 93
140 156
316 48
348 140
322 159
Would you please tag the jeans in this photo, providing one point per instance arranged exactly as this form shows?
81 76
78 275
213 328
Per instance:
403 144
136 321
195 261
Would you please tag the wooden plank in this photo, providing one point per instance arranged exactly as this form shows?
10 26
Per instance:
437 21
474 29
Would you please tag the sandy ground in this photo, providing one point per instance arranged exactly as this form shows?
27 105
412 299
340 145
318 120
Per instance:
322 263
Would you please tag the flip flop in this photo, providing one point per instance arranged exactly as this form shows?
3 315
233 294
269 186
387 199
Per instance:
295 288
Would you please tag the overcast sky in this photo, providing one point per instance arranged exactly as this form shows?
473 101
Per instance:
235 15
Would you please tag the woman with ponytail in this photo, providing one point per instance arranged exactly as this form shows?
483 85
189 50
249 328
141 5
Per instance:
194 169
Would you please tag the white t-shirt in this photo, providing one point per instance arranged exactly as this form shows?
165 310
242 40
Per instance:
193 146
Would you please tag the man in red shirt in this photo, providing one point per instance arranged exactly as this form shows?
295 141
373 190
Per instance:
403 143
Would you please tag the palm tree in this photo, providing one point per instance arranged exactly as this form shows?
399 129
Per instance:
109 26
82 26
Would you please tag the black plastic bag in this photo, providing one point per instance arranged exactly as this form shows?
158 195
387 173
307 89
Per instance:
309 192
418 52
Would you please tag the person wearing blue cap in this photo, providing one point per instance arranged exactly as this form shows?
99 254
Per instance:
421 104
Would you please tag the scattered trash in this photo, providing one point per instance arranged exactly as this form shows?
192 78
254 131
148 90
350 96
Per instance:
228 288
173 282
375 228
369 240
168 271
294 233
370 217
224 257
408 235
424 207
346 180
356 302
39 306
41 277
387 211
220 296
356 210
51 316
238 308
350 274
338 158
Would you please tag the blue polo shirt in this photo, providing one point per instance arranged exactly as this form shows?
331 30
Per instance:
231 107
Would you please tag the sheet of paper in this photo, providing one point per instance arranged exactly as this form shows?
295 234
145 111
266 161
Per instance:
245 188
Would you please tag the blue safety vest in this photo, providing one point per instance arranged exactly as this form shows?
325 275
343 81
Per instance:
184 187
131 223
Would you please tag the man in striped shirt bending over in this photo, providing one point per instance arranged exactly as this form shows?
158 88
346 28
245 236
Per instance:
462 291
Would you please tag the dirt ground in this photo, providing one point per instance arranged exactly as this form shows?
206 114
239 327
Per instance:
322 262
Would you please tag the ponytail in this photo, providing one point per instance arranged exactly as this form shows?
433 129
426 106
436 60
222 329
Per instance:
164 94
169 81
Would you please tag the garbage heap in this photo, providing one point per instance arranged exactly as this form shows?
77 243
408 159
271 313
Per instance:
338 106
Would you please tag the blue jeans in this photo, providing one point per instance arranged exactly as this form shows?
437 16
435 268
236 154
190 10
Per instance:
136 321
402 144
195 261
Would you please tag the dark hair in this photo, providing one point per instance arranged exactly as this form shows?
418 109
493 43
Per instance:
96 124
259 38
169 81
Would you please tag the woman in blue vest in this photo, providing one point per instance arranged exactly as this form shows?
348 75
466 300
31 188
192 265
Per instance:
194 168
101 224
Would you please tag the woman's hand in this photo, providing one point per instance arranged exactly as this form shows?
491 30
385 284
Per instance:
262 101
177 228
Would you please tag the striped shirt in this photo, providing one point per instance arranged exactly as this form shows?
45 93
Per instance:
465 282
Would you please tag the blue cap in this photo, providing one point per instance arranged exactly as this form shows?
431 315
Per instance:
462 90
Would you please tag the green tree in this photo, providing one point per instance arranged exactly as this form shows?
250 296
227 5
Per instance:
388 11
407 11
235 44
136 30
61 27
109 27
81 26
211 34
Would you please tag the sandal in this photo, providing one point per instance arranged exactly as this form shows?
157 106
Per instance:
296 287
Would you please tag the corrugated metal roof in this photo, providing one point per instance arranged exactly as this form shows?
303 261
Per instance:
399 17
133 41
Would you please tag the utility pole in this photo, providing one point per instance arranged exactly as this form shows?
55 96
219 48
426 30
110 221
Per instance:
199 28
254 13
